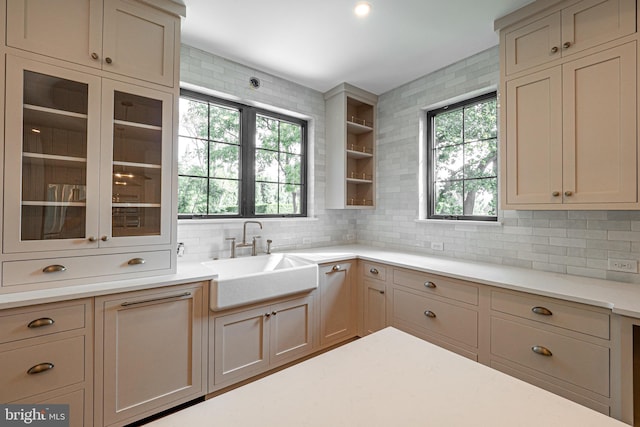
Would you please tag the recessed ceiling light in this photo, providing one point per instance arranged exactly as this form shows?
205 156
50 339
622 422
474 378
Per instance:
362 8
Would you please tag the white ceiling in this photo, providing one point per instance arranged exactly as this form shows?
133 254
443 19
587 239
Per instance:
321 44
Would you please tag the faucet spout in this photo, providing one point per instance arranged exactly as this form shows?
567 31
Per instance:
244 230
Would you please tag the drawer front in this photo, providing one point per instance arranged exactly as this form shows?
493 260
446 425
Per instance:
66 356
437 285
21 324
458 323
54 269
552 312
375 271
577 362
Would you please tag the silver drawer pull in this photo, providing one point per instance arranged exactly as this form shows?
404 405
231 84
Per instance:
126 304
54 268
38 323
136 261
373 271
542 310
429 285
40 367
430 314
543 351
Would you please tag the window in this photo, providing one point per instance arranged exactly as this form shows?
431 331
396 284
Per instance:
462 158
239 161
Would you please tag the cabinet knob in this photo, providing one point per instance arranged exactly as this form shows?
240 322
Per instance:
273 313
38 323
554 49
566 45
108 60
542 311
104 238
430 314
429 285
267 315
55 268
336 268
568 193
543 351
381 292
373 271
40 367
94 56
555 193
92 239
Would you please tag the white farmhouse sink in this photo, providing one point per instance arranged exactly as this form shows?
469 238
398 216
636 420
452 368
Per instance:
252 279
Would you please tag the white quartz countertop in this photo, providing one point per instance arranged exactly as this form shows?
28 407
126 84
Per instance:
621 298
387 379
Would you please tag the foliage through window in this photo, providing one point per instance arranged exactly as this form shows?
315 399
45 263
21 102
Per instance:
462 149
239 161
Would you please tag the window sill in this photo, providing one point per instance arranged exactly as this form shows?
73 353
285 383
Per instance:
241 220
460 222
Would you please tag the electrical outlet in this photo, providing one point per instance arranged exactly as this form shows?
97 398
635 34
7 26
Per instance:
624 265
437 246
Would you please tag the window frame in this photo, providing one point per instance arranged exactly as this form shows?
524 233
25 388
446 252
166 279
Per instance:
431 193
247 152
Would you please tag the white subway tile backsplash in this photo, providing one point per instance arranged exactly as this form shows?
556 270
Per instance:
573 242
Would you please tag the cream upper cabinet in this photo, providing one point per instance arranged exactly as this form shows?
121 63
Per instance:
92 159
120 36
569 131
568 31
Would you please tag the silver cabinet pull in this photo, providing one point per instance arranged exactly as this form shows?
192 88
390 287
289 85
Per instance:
430 314
136 261
429 285
273 313
40 367
94 56
543 351
108 60
126 304
54 268
542 311
554 49
374 271
334 269
38 323
267 315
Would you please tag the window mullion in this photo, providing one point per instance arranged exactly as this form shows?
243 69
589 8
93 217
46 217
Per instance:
248 142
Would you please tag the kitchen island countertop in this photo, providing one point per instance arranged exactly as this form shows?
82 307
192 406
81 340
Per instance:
386 379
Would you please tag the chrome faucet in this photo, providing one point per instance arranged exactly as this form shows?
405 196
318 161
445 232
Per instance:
244 243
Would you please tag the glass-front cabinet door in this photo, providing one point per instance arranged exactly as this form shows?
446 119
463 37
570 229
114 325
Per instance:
136 152
51 158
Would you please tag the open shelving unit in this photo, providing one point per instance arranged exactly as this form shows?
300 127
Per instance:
350 131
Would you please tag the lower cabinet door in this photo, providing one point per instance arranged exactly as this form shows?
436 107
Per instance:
337 304
241 345
375 307
151 346
250 342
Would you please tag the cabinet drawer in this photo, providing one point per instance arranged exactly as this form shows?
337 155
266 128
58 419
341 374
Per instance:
551 312
20 324
375 271
66 356
458 323
577 362
33 271
437 285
